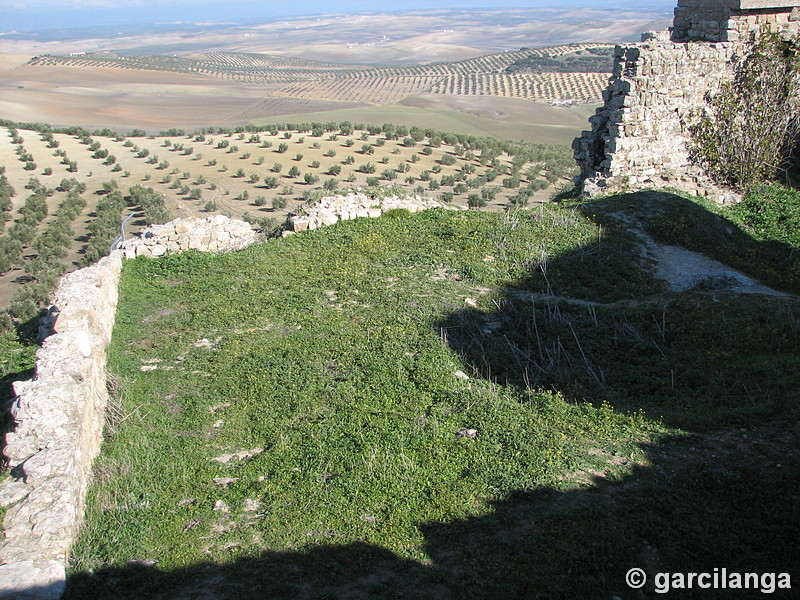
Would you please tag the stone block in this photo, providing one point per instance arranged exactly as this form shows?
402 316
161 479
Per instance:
299 223
329 219
32 580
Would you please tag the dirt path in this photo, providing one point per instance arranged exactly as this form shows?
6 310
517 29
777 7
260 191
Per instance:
684 269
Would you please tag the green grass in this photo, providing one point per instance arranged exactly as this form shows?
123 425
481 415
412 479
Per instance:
760 236
615 424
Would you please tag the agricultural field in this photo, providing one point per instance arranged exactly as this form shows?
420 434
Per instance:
65 193
490 75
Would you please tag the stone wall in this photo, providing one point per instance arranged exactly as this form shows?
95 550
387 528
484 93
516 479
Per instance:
59 415
640 136
215 233
731 20
59 419
332 209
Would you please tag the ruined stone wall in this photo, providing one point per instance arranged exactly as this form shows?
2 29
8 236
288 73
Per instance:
59 419
331 209
60 414
215 233
640 137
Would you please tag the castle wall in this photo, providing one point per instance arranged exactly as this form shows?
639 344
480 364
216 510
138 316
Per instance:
730 20
640 136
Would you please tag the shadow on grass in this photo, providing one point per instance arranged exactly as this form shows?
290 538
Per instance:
675 220
723 494
696 509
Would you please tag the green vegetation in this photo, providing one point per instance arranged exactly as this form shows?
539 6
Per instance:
463 123
750 128
105 226
758 236
509 398
589 60
151 203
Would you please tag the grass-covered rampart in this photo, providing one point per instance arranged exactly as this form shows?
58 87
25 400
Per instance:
441 405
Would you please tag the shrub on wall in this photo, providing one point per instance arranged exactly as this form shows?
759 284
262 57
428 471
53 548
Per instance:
752 122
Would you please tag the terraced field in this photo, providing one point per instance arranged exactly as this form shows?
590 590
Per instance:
64 194
488 75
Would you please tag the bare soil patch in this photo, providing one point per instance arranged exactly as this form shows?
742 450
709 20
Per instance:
124 99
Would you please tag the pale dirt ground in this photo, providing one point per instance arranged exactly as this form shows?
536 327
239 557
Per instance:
507 109
127 99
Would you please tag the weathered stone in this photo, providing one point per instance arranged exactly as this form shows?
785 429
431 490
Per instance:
331 209
216 233
329 219
641 135
59 423
12 492
32 580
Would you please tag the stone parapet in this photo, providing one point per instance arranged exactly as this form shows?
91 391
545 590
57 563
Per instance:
332 209
59 418
215 233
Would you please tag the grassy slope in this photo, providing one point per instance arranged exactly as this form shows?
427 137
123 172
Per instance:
334 355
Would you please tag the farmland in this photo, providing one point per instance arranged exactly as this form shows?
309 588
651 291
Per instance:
71 188
500 66
301 78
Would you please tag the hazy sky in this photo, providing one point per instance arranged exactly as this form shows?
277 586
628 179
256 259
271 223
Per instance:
30 15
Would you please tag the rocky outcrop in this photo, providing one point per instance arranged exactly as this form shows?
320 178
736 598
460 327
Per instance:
216 233
59 418
332 209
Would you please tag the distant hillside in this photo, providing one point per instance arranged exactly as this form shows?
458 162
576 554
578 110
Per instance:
589 60
573 72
